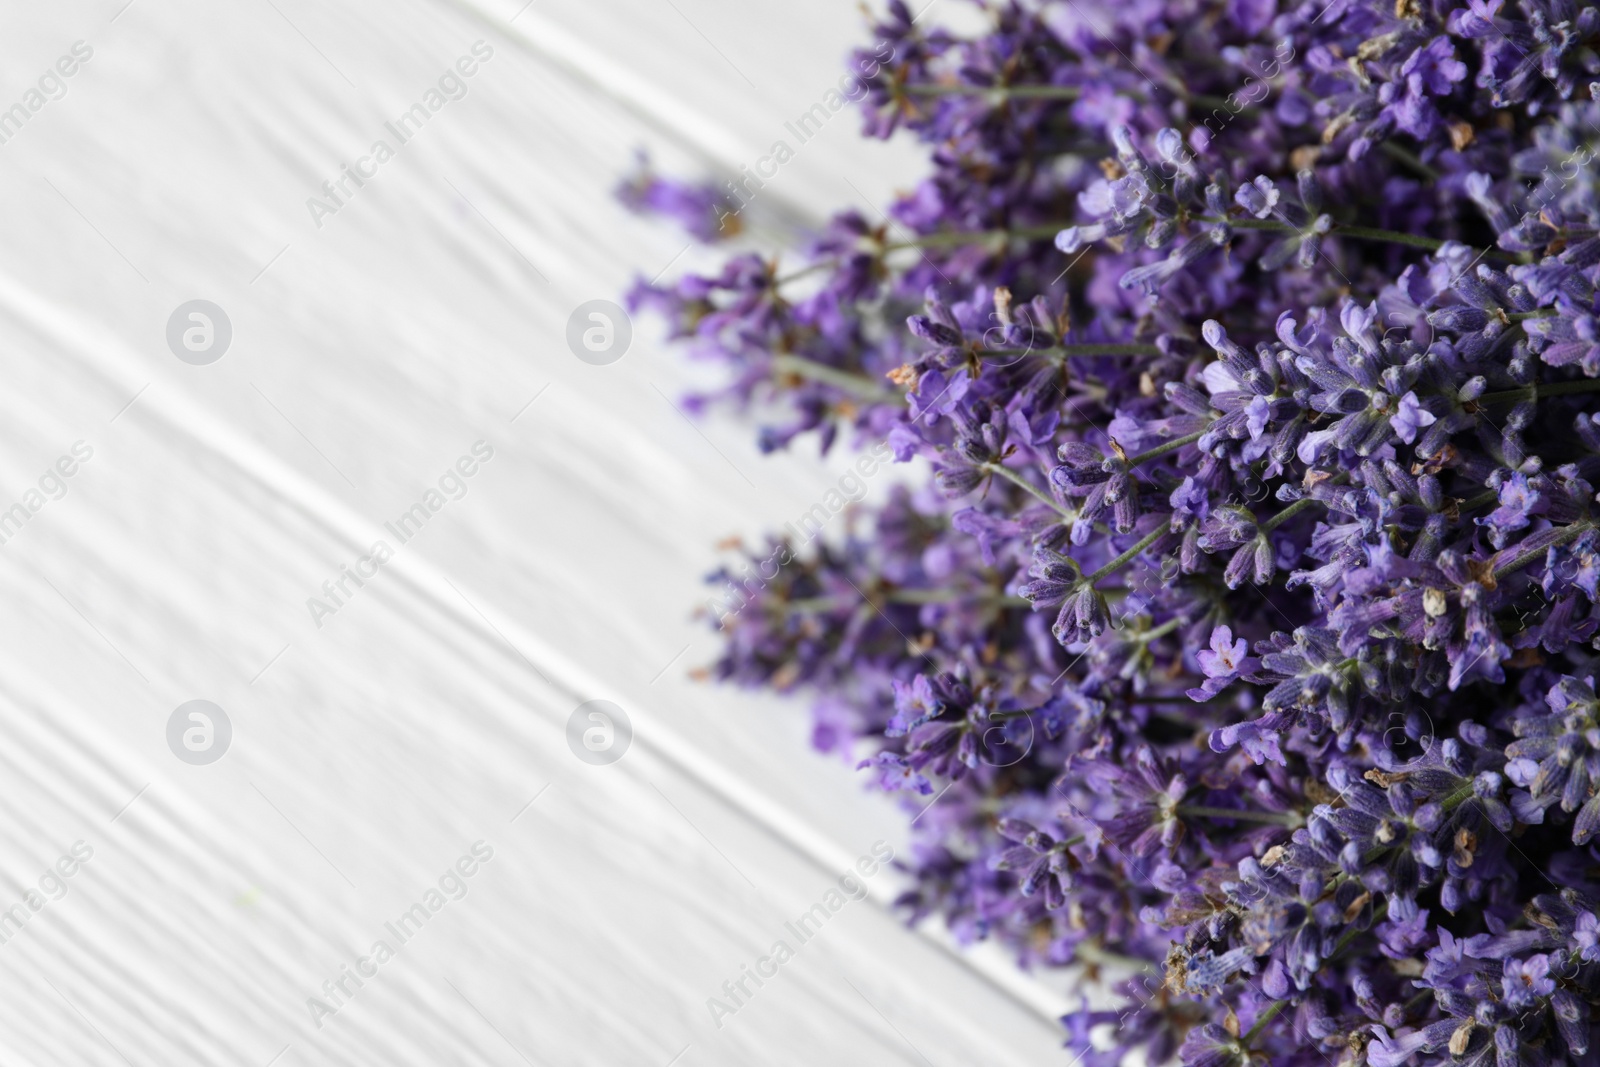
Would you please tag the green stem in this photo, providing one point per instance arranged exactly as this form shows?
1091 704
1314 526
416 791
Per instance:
1206 100
1541 313
1367 233
951 596
1360 233
1066 351
1267 1015
1350 935
1455 800
855 384
1051 92
930 240
1017 92
1410 159
1161 631
1287 513
810 268
1018 480
1567 536
1090 952
1161 450
1277 818
913 596
963 237
1534 392
1115 565
1007 716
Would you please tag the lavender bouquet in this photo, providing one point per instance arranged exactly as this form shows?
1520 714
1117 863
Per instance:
1242 640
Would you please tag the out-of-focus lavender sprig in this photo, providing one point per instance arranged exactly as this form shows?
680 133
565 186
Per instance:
702 209
1242 637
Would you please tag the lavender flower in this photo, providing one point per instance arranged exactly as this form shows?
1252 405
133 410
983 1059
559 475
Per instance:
1222 663
1248 356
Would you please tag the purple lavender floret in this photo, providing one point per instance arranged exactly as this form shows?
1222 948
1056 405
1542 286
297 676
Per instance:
1241 615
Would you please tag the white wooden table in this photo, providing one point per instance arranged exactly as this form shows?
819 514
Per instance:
429 711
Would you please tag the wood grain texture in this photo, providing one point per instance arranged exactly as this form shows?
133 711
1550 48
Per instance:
372 752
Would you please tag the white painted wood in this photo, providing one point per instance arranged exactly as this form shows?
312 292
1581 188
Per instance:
370 753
